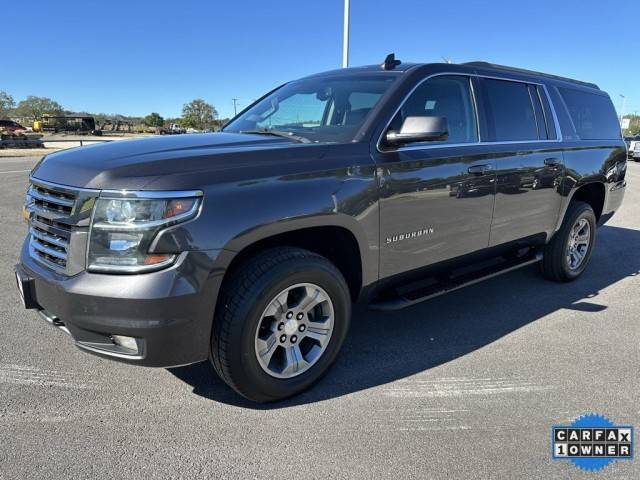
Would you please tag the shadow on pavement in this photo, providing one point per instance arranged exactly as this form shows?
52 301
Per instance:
383 347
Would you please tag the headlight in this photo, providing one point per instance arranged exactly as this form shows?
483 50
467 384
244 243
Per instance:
122 230
27 206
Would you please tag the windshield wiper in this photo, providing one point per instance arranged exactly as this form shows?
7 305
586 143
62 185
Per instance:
278 133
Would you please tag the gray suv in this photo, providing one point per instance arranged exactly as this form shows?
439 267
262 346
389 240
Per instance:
387 184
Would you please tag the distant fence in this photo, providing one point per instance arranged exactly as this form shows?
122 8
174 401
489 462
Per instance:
30 142
82 141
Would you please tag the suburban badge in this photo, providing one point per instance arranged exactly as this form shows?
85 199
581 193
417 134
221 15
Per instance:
408 235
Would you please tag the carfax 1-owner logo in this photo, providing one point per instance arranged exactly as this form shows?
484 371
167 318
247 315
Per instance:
592 442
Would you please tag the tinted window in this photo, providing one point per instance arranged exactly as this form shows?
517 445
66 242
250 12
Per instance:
448 97
593 115
510 115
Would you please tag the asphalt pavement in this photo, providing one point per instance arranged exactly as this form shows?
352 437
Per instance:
464 386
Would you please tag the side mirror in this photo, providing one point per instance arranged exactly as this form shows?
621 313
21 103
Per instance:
419 129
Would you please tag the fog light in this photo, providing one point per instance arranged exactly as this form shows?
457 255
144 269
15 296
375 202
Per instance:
126 342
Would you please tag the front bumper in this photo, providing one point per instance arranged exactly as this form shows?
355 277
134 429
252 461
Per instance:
170 312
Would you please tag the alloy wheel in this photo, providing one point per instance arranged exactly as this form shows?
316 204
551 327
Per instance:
294 330
578 245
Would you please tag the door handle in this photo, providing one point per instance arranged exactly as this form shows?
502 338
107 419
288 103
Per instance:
552 162
480 169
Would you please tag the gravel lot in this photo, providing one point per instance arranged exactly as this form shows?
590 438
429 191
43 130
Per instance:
464 386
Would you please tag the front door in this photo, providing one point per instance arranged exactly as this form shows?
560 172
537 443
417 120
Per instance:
436 198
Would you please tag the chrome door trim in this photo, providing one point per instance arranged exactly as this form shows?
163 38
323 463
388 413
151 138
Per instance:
474 100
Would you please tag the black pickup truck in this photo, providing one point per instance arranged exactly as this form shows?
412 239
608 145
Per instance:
386 184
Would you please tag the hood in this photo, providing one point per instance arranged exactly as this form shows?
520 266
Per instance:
168 162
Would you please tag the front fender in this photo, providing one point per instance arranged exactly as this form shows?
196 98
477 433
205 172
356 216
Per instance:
235 216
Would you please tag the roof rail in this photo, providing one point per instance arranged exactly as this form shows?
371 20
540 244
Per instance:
529 72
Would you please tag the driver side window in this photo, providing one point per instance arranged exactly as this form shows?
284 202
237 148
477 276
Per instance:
446 96
299 110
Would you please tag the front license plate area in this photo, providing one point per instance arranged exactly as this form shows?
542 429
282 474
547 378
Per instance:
26 289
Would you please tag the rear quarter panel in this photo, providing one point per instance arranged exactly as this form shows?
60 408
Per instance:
595 161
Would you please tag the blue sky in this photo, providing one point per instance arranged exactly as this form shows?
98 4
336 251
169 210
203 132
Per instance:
135 57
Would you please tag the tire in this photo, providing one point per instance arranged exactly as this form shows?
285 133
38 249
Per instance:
555 264
241 318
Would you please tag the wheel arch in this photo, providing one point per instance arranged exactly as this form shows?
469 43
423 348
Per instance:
335 241
592 193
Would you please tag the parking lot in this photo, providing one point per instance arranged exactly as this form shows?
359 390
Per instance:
464 386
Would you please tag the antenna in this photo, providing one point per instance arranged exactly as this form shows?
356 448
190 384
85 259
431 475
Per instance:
390 62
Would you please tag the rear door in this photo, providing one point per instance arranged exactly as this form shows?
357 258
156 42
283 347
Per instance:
526 147
436 197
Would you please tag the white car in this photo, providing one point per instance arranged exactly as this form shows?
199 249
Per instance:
636 150
632 145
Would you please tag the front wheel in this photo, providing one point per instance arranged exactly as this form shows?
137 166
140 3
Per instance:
281 321
568 254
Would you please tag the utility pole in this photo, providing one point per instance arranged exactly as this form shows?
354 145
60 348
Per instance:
235 106
345 36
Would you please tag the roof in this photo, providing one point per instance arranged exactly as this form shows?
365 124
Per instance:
504 68
404 67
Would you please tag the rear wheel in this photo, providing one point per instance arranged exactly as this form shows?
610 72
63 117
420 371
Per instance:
281 321
568 254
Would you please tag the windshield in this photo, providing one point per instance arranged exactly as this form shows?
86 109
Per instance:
320 109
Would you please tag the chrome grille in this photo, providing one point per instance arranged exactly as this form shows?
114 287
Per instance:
52 249
51 200
49 224
59 218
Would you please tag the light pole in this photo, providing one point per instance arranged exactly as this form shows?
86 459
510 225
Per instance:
624 103
345 36
235 106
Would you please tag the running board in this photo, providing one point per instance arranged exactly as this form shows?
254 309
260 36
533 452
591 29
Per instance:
412 297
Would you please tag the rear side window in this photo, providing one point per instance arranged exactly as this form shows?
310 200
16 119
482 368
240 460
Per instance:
593 115
509 111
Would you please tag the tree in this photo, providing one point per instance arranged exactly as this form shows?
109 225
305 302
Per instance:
198 114
218 123
634 125
34 107
6 104
153 120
